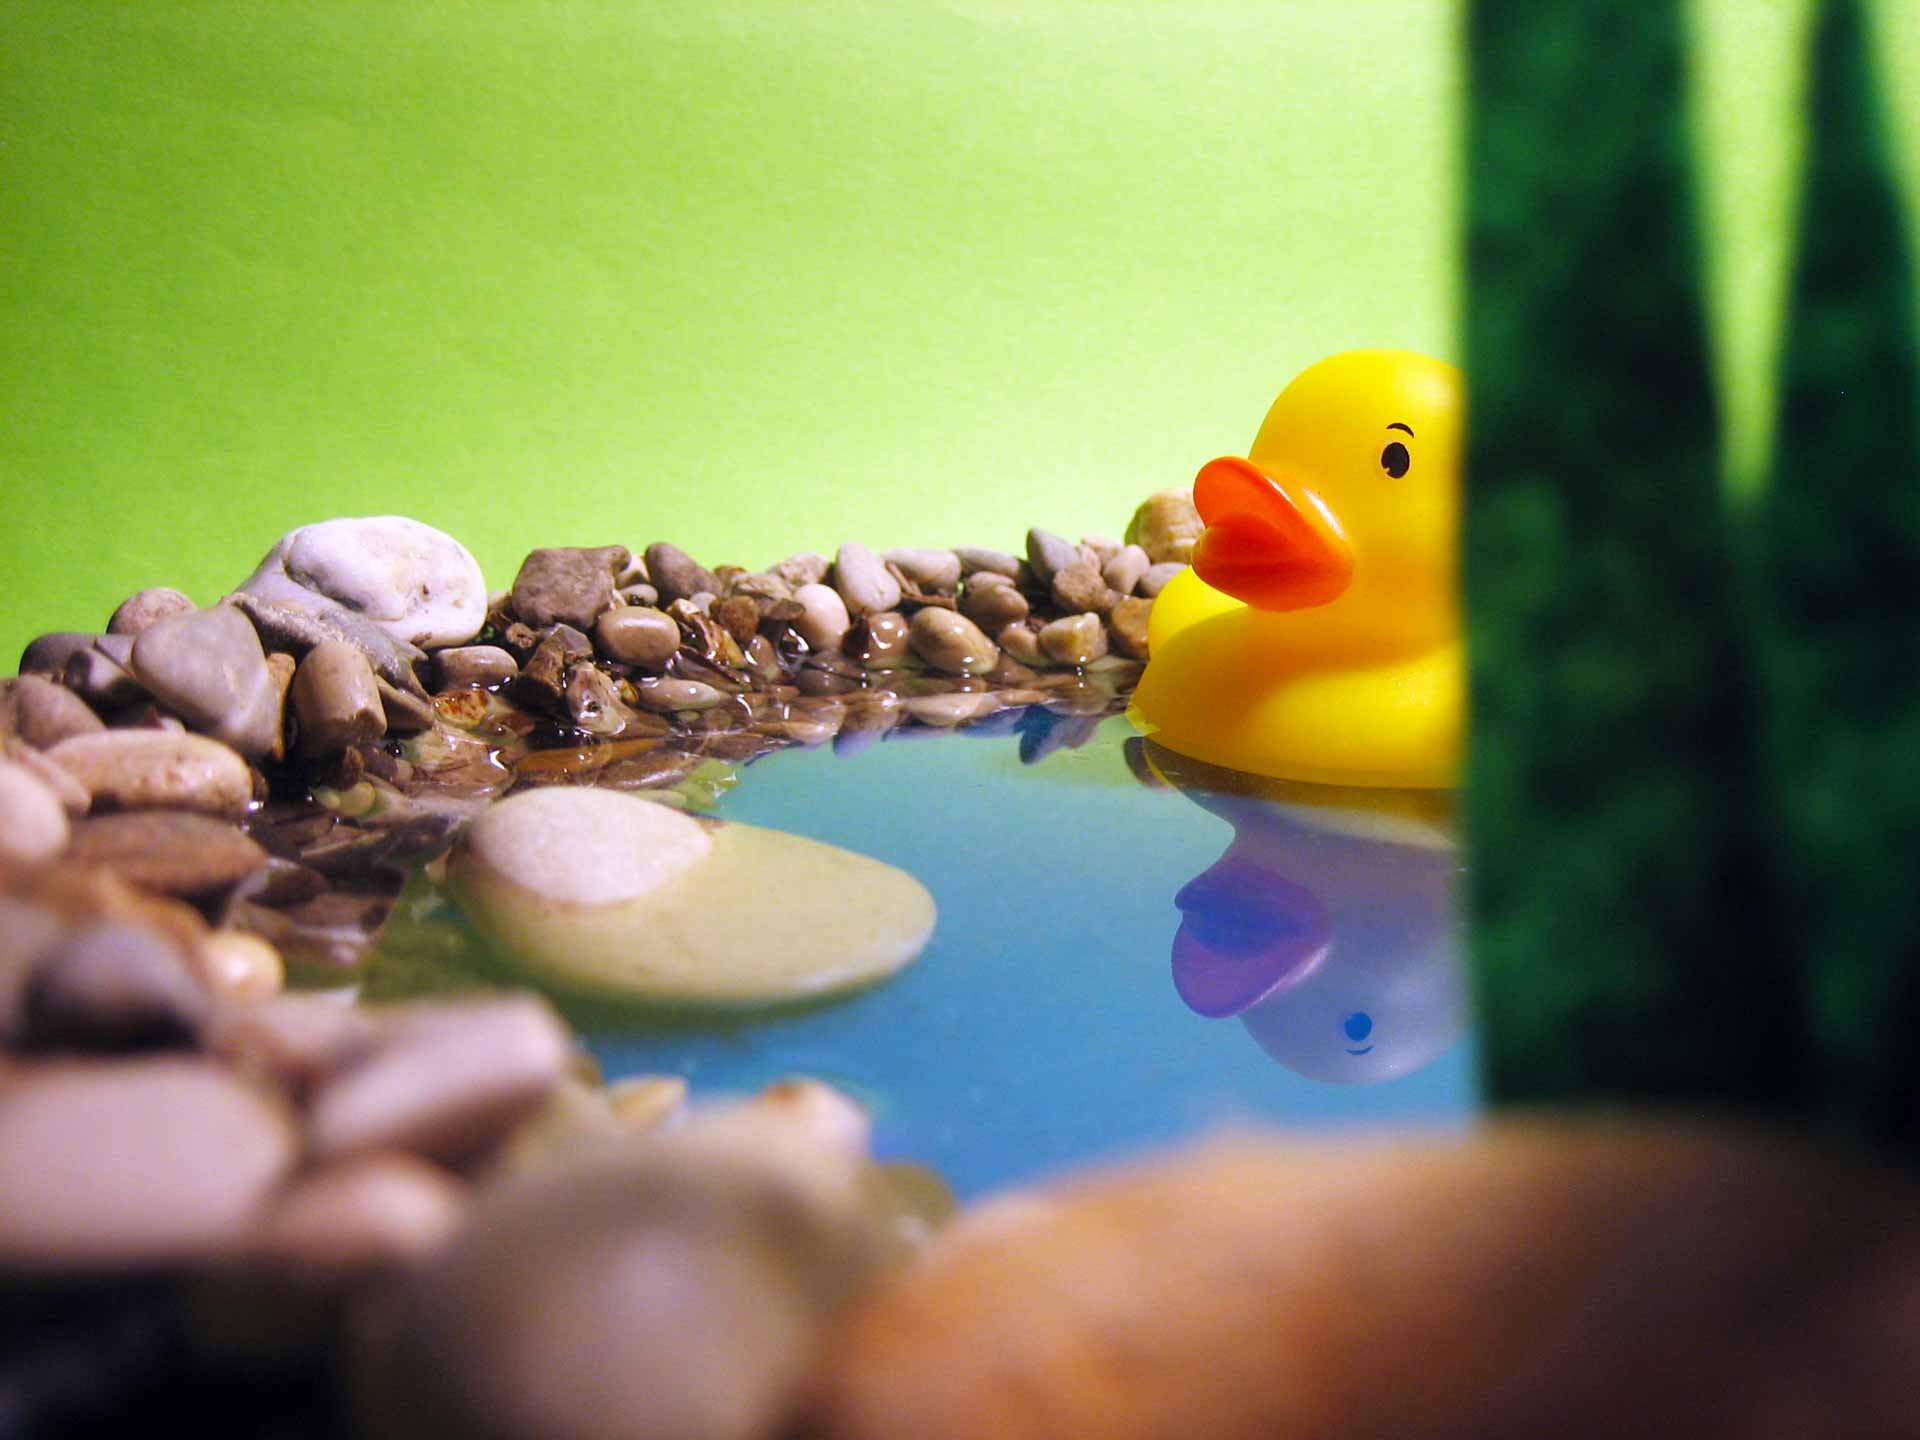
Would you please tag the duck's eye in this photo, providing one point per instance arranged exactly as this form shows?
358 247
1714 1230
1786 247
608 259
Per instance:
1395 460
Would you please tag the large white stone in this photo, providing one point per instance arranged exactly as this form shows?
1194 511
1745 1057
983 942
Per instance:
586 847
418 584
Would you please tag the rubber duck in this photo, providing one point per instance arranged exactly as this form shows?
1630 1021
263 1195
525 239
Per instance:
1316 636
1329 927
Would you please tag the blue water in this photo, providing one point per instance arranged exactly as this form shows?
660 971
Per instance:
1042 1028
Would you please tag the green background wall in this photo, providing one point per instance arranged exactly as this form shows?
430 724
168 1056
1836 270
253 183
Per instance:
753 277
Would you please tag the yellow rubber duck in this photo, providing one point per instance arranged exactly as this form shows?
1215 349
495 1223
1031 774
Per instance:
1316 635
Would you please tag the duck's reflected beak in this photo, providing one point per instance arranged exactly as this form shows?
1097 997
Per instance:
1262 544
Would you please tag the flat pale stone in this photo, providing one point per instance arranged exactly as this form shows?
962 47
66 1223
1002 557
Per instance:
419 584
584 846
763 917
133 1162
154 769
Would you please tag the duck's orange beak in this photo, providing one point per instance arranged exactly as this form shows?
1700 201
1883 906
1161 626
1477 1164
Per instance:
1264 546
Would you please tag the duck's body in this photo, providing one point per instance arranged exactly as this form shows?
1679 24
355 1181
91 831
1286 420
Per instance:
1336 659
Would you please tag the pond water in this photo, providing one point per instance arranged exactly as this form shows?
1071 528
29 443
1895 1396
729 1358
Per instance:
1115 966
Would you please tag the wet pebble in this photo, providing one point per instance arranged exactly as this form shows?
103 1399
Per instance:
33 820
446 1081
1022 642
1122 573
1073 639
111 986
1048 554
138 1161
823 619
460 665
43 713
144 608
637 635
950 642
417 584
336 699
666 696
881 642
738 615
1078 589
955 709
935 570
677 575
148 769
1155 578
1128 622
1166 526
593 702
208 668
863 582
174 852
992 606
240 967
570 586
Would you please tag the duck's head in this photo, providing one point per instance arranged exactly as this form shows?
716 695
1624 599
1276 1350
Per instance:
1348 502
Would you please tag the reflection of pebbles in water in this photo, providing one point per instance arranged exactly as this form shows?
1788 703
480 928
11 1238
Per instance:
1329 926
622 895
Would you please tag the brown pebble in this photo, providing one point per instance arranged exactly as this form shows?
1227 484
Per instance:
1124 570
1166 526
47 655
207 667
954 709
372 1212
950 642
43 713
1022 642
993 606
1156 577
738 615
880 642
821 617
1078 589
567 585
136 1162
174 852
677 575
665 696
637 635
979 559
1074 639
136 769
296 1038
460 665
33 819
648 1102
1128 622
241 967
336 700
146 607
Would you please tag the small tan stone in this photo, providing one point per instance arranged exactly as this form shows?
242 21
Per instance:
145 608
648 1102
637 635
1074 639
1166 526
950 642
372 1212
336 699
239 966
33 821
174 852
1128 622
823 620
43 713
148 769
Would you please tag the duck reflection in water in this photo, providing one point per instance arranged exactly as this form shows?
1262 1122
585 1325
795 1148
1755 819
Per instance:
1329 926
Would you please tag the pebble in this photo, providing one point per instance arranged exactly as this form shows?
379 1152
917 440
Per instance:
1047 553
1124 570
975 559
678 1289
1073 639
823 620
1128 622
144 608
950 642
1022 642
806 568
101 680
208 668
27 929
148 1161
1078 589
993 606
297 1038
593 702
155 769
639 595
863 582
372 1212
446 1082
637 635
43 713
461 665
417 584
407 711
738 615
1104 548
290 618
567 586
1166 526
47 655
241 967
762 585
33 820
949 710
1156 577
665 696
336 699
174 852
107 985
617 894
648 1102
881 642
827 1117
677 575
72 795
931 570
